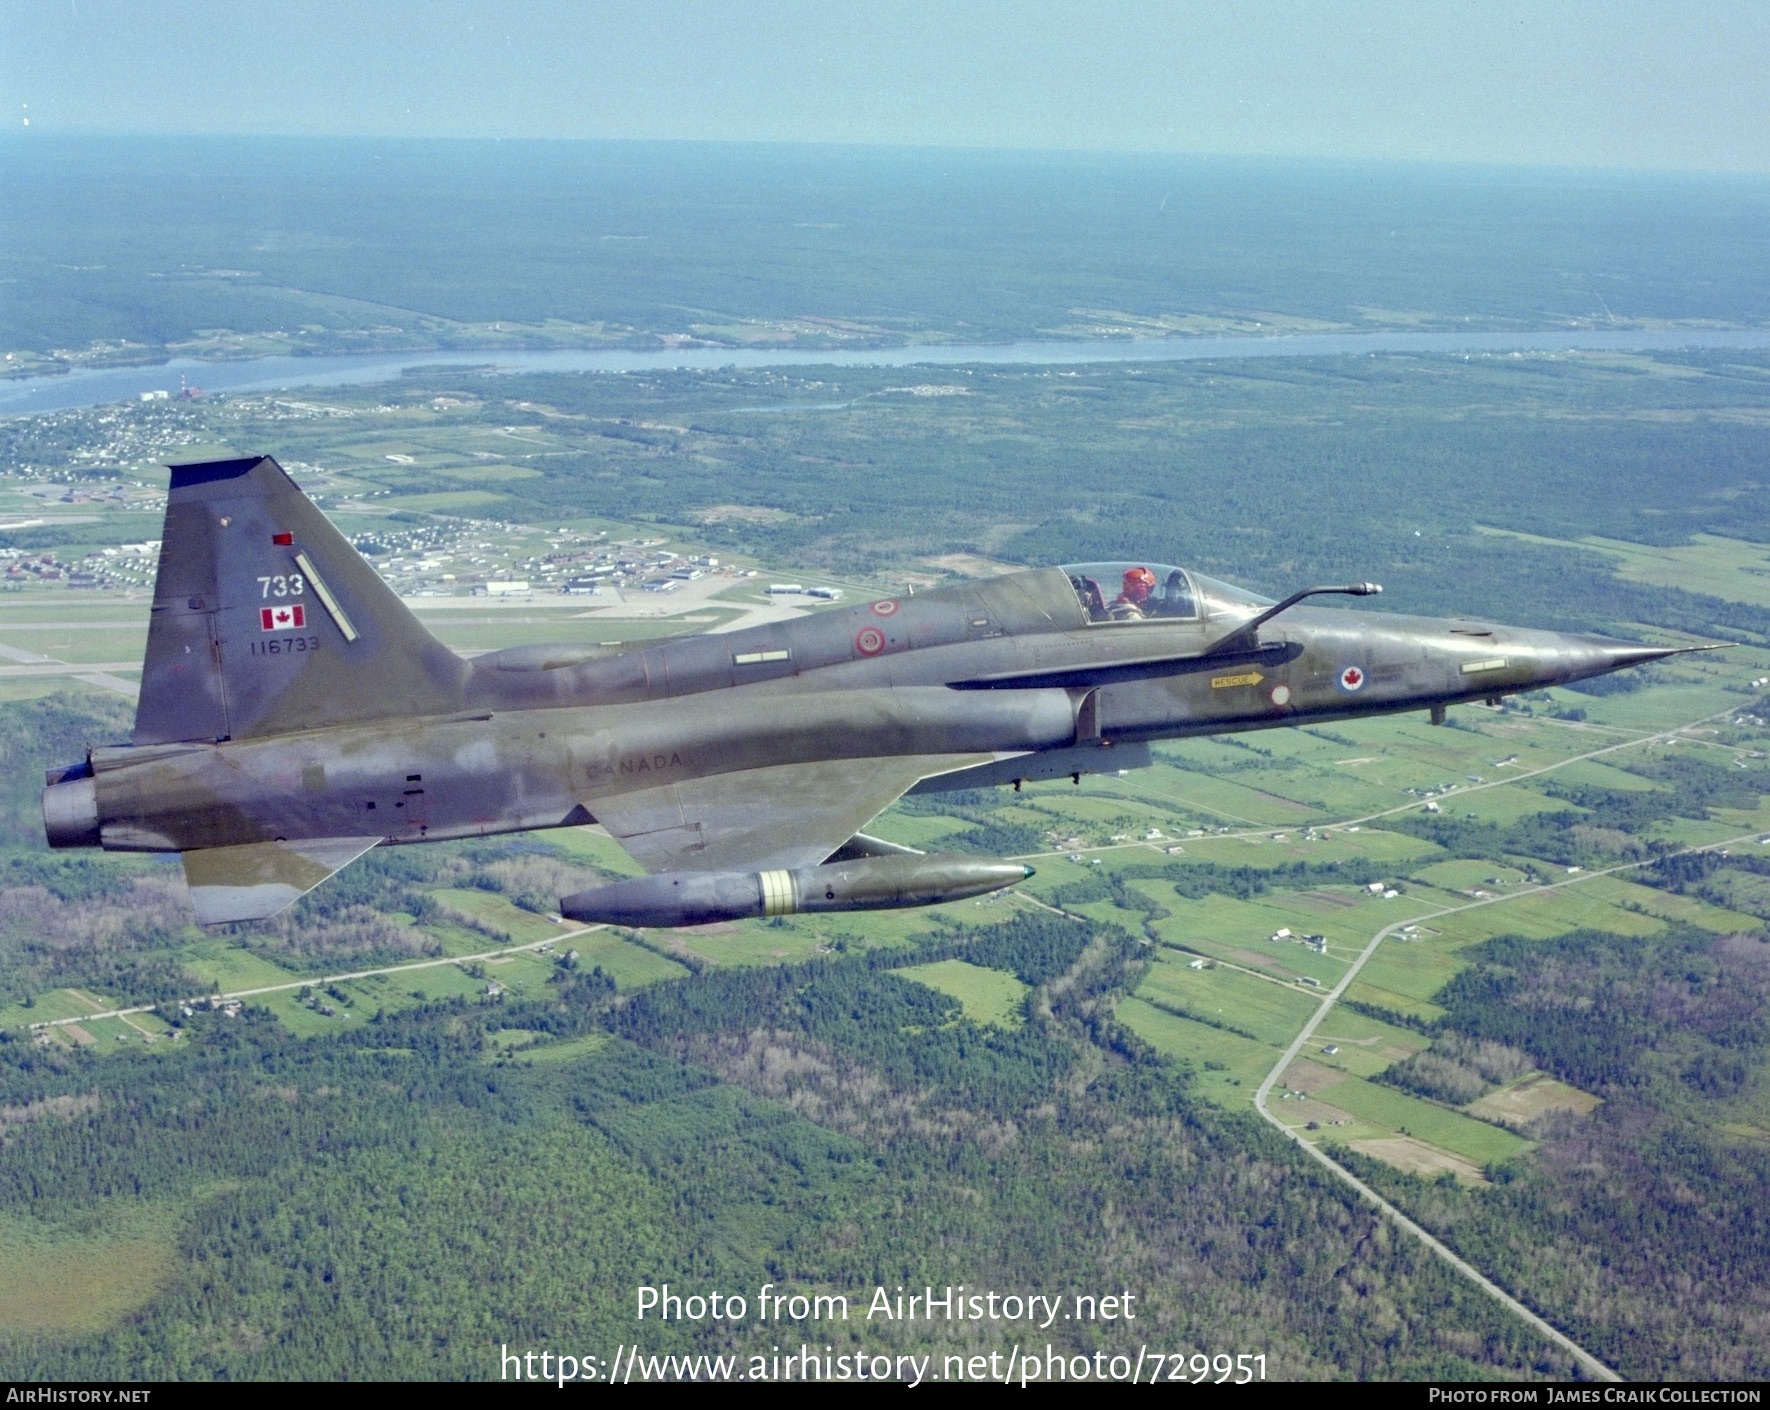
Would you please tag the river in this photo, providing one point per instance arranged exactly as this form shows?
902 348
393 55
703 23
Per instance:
97 386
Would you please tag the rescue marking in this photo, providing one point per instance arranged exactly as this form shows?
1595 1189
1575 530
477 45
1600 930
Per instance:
885 608
1245 678
869 641
282 619
1492 663
1352 678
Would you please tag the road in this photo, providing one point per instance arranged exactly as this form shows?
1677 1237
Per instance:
1267 829
1585 1358
1457 792
322 979
1333 996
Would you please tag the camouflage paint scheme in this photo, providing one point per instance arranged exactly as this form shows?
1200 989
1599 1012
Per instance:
294 713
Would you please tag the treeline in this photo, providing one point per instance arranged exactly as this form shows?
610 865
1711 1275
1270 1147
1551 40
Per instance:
1241 470
989 834
1610 821
907 1033
1639 1228
1196 880
1739 881
1687 788
1565 838
387 1202
1457 1069
1594 1008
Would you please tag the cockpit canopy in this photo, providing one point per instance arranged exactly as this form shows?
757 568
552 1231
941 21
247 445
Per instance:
1143 592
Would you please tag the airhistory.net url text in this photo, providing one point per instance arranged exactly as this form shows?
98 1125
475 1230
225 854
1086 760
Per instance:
1030 1366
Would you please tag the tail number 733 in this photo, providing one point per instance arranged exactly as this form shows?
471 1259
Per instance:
282 585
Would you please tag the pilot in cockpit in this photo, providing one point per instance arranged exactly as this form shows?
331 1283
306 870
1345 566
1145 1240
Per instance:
1132 603
1175 599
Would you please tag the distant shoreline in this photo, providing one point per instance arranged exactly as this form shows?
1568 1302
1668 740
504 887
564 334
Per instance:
85 387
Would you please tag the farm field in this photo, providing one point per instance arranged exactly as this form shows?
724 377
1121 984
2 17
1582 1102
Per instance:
62 1281
1221 995
987 996
766 1088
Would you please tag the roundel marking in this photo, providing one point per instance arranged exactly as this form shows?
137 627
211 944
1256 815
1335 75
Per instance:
885 608
1352 678
1281 695
869 641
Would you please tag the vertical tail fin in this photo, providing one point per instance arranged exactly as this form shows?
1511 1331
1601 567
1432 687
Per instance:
266 621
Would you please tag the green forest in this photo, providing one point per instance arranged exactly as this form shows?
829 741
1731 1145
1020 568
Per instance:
401 1202
1534 490
505 1125
127 249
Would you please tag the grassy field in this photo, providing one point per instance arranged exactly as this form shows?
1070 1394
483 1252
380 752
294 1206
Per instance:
1407 1115
1523 1102
502 920
629 965
1226 1066
986 995
556 1053
1256 806
1253 1008
60 1281
57 1003
1733 569
226 967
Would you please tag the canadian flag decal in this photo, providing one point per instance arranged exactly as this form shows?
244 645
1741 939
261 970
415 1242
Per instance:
282 619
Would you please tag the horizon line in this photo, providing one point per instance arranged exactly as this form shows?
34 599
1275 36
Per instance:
15 136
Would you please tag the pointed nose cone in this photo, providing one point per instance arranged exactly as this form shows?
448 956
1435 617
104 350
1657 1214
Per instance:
1579 658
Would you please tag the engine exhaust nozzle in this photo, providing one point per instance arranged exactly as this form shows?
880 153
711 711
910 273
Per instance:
70 813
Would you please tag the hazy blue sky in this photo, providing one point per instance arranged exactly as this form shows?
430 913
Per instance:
1654 83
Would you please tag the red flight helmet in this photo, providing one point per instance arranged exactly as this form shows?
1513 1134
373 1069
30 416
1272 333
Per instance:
1139 583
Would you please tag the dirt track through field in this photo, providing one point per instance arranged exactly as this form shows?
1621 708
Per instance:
1584 1357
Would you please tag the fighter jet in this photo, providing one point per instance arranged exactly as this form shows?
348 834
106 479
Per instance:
295 714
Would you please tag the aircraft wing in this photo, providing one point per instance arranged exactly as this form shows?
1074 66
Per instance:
786 816
257 879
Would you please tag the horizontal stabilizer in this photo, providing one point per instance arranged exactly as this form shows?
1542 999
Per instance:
256 880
